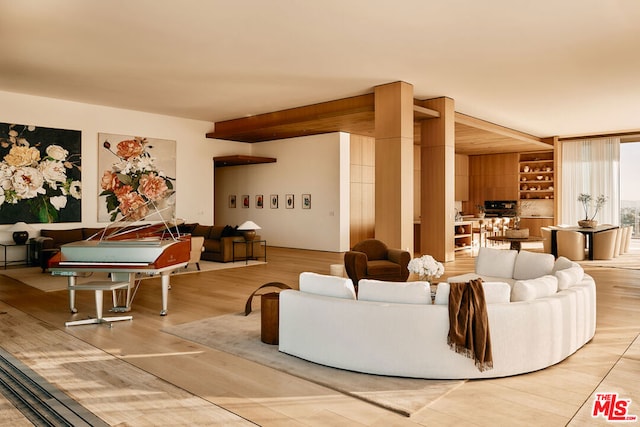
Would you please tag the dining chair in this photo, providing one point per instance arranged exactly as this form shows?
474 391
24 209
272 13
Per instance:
627 238
545 232
618 242
571 244
604 244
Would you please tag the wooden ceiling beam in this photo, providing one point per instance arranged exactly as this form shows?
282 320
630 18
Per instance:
499 130
321 118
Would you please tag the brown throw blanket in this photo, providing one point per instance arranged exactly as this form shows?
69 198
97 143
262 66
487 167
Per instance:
469 323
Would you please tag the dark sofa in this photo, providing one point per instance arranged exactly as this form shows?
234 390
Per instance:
218 242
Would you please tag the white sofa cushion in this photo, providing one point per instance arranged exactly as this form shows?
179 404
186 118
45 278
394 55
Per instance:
530 265
562 263
569 276
496 262
494 292
331 286
396 292
529 290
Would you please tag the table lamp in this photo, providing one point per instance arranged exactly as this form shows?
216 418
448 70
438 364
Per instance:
249 229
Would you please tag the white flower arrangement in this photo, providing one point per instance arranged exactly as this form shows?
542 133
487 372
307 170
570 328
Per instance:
426 267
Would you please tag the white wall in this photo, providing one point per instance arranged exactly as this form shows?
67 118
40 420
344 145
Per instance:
316 165
194 152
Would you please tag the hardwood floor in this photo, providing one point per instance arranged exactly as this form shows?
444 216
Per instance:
134 374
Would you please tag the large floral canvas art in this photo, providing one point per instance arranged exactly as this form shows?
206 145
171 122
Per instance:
137 176
40 174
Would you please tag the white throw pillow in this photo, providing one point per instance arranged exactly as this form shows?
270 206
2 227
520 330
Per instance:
331 286
394 292
494 293
530 265
528 290
496 262
562 263
569 276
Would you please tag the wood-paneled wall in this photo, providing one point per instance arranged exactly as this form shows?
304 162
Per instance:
362 178
492 177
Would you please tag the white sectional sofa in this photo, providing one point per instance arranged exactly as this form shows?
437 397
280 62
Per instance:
394 328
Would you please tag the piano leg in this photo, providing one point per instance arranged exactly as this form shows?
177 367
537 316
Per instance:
165 292
71 281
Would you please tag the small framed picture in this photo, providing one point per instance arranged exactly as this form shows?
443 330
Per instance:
245 201
232 201
273 201
288 201
306 201
259 203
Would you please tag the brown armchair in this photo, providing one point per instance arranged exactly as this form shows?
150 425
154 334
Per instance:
371 259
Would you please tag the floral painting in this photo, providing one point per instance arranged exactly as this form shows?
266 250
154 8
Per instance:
137 173
40 174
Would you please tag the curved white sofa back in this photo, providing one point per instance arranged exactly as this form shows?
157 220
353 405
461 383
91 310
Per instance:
410 340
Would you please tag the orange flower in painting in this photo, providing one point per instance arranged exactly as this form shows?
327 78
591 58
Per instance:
133 205
152 186
130 148
109 181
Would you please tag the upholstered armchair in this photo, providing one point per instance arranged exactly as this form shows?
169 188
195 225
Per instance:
372 259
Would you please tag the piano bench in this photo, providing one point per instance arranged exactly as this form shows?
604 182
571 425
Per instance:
98 287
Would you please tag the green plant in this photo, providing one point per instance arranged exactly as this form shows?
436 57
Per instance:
586 200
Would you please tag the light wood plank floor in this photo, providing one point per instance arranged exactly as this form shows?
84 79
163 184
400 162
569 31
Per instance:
135 375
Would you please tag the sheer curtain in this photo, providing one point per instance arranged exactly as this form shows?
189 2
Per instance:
591 166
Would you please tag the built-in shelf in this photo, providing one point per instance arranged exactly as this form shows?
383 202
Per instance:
536 177
463 237
239 160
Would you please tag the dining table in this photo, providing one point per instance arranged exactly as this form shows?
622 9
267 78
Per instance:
589 232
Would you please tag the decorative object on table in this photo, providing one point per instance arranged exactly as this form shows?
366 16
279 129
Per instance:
259 201
273 201
517 233
481 212
288 202
142 173
41 174
249 230
21 232
245 201
426 267
232 201
586 200
306 201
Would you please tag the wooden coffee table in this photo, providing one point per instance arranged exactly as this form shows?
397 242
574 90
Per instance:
516 242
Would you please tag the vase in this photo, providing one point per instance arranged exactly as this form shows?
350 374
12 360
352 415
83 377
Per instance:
20 237
587 223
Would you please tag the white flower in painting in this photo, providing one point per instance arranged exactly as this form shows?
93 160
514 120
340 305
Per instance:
57 153
53 172
28 183
58 202
6 173
75 190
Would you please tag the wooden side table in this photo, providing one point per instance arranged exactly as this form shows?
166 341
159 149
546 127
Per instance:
270 317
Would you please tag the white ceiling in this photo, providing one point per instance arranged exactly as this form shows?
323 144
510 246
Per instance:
545 67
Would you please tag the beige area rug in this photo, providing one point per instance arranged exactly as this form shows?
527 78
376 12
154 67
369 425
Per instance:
34 277
239 335
630 261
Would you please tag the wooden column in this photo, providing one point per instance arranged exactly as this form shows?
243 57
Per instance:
437 181
394 165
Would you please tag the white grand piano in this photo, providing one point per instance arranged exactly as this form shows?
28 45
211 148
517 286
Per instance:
128 252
